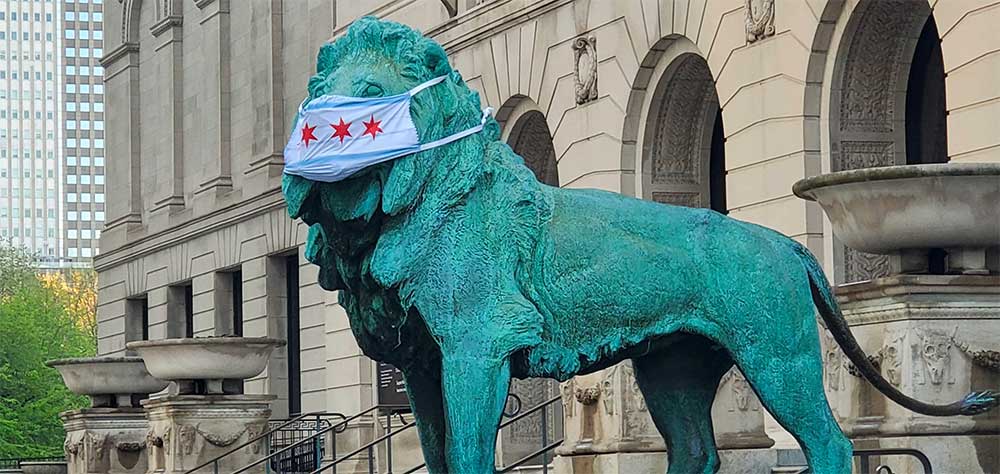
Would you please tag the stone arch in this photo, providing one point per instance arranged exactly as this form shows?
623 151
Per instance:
673 133
860 73
526 130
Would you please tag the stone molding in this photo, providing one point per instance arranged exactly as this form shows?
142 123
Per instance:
585 79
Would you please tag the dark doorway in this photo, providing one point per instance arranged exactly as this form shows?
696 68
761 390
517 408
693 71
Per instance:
926 113
292 332
717 167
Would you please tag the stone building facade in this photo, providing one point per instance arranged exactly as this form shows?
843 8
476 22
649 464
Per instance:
721 104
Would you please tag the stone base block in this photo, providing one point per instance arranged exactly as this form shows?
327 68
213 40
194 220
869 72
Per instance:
188 430
973 454
105 441
735 461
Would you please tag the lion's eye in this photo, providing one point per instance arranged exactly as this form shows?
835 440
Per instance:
372 90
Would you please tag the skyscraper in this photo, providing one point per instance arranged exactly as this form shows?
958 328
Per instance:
31 201
83 128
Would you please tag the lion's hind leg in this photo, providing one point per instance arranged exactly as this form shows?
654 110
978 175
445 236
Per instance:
679 384
788 378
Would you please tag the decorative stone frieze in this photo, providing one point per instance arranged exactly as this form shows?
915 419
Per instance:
105 440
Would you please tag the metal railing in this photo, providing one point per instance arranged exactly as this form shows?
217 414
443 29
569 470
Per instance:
369 448
15 463
865 456
266 438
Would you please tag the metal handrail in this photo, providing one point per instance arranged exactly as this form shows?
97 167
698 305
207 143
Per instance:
865 454
519 416
335 428
262 436
366 446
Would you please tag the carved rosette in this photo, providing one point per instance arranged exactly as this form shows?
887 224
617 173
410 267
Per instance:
585 68
759 19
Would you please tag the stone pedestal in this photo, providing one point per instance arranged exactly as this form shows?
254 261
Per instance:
935 337
187 430
43 467
608 428
105 440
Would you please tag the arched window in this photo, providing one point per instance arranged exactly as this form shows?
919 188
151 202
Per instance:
887 103
683 146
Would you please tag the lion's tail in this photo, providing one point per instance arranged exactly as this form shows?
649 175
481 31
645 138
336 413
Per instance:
973 403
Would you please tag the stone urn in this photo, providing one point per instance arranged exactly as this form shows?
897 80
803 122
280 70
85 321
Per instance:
44 467
906 211
202 364
108 381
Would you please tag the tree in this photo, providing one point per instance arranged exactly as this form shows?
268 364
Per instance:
77 290
15 268
37 323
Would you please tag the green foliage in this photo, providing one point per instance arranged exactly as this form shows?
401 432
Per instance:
35 326
15 268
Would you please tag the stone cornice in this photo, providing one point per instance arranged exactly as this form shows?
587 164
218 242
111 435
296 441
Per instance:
173 21
260 204
111 57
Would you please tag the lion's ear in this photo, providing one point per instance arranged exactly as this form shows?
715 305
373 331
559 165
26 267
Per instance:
325 58
435 59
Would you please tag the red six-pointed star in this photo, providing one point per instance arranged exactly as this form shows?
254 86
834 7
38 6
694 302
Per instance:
341 130
307 133
372 127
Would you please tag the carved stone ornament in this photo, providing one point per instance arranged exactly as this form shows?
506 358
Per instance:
130 446
585 68
588 396
254 431
567 390
934 350
221 440
892 359
185 436
152 440
984 358
740 388
833 362
608 391
759 19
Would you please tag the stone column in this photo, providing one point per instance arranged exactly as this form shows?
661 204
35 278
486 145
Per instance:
609 430
188 430
935 337
105 440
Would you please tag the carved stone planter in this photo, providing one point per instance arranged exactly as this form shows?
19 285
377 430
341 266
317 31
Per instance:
108 381
905 211
188 430
202 364
933 336
44 467
106 438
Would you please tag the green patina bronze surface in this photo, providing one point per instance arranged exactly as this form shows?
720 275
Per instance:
457 266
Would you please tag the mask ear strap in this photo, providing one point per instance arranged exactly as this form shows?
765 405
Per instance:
487 113
432 82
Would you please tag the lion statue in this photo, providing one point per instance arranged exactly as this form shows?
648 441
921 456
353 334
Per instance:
458 267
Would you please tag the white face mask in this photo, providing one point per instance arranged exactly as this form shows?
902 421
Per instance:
337 136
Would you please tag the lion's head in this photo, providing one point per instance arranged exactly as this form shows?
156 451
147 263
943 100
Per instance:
376 58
